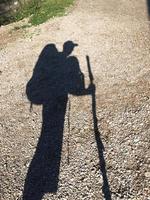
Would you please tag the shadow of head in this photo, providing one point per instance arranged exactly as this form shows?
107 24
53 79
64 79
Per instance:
68 47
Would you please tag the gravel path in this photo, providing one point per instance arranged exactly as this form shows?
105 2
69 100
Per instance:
106 135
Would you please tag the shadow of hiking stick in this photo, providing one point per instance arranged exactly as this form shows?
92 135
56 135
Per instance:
102 164
148 8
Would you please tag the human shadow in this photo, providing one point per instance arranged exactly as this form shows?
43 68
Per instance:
56 74
148 7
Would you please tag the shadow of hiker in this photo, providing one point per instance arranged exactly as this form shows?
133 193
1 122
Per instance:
56 74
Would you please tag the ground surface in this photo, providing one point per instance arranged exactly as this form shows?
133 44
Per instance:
116 37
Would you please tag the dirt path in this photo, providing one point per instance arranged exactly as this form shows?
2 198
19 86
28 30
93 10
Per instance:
116 37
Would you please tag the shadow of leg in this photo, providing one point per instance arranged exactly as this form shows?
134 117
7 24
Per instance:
43 173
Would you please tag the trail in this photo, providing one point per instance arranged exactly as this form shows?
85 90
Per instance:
109 131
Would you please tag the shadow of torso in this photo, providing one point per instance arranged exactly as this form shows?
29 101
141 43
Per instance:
54 75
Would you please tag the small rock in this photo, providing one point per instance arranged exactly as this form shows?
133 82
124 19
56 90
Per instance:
147 174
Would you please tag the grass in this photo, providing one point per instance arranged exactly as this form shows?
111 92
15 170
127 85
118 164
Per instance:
40 11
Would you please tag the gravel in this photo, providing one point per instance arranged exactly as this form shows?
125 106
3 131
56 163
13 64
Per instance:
116 37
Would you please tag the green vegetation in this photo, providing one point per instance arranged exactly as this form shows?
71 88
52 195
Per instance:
39 11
